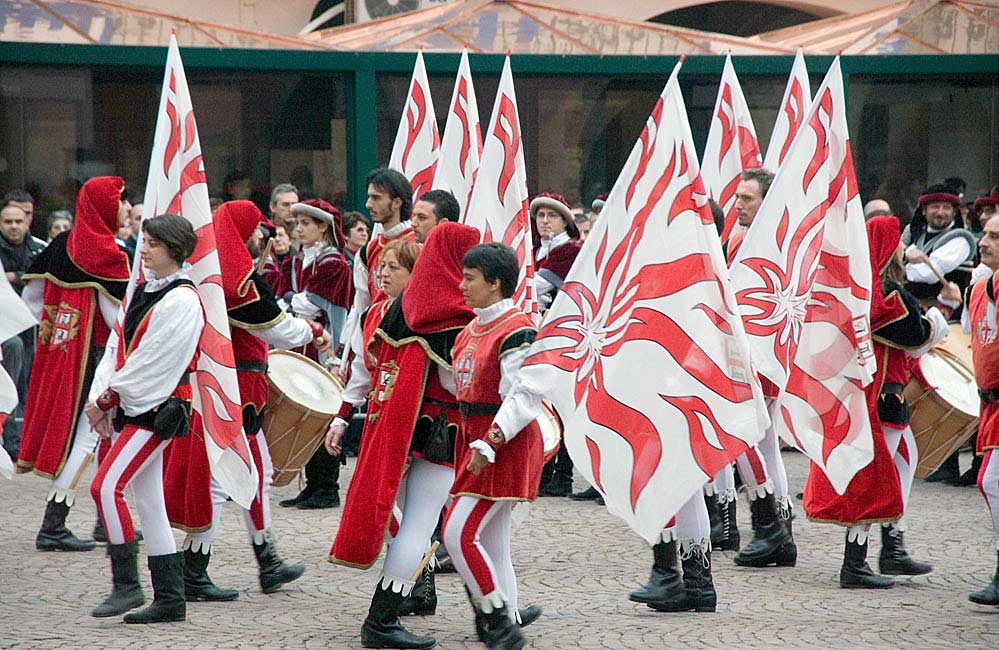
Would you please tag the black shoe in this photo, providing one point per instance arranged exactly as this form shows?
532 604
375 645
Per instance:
770 536
54 536
949 470
321 499
894 560
527 615
989 595
126 591
382 628
499 632
728 537
970 477
698 588
714 517
856 573
422 600
273 571
664 585
168 591
556 488
197 583
101 537
302 496
589 494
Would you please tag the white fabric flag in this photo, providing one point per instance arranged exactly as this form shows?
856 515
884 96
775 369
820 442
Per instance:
461 146
417 142
15 317
642 352
793 108
731 146
176 185
803 280
498 206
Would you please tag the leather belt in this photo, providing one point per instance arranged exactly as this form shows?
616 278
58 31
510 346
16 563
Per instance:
444 405
989 395
245 365
470 409
892 389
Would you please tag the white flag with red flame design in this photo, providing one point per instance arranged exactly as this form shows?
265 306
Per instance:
417 142
176 185
498 206
793 107
461 146
731 146
802 279
642 352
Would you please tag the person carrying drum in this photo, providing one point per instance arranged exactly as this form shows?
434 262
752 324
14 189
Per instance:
412 422
981 307
194 500
318 285
880 491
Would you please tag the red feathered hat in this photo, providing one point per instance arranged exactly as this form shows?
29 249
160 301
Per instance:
91 243
234 222
992 198
883 235
432 301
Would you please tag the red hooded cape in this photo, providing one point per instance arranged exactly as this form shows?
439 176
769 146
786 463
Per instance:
875 493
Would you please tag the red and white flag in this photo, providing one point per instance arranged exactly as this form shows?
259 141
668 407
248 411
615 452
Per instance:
498 206
15 317
642 352
802 279
461 146
793 107
417 142
731 147
176 185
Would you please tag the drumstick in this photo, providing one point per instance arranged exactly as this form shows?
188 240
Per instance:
263 258
943 280
426 558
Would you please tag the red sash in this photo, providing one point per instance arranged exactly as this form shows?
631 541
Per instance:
71 326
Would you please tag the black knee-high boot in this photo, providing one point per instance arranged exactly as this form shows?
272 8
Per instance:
382 628
126 591
856 573
168 591
322 471
893 559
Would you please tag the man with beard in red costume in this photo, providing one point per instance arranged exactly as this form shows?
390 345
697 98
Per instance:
75 287
194 500
879 492
410 430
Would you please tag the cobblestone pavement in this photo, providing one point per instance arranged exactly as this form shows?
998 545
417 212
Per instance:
575 559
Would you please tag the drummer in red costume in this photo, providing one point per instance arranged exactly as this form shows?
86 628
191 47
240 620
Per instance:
981 306
412 420
499 451
75 287
558 248
880 491
318 285
194 500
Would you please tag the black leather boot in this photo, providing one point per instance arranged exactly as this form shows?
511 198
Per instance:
856 573
197 583
101 537
769 537
894 560
300 497
499 632
698 587
273 571
527 615
422 600
949 470
714 517
126 592
728 538
589 494
382 628
970 477
54 536
989 595
168 591
665 585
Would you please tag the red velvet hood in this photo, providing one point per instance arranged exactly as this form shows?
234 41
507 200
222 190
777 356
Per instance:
91 243
432 301
883 235
234 222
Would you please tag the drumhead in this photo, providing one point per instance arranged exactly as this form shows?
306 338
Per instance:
551 432
954 381
304 381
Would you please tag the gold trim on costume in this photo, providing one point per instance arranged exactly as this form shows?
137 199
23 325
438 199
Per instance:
48 277
473 331
257 326
419 340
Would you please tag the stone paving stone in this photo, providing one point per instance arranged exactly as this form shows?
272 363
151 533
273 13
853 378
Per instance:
574 559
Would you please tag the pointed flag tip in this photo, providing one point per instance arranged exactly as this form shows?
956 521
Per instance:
840 53
683 57
173 31
508 51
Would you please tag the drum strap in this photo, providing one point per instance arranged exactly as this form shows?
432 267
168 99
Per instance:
989 395
892 389
245 365
473 409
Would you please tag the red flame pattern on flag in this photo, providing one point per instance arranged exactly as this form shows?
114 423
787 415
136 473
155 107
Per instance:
416 150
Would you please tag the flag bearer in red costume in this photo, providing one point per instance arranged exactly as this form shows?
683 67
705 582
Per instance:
412 420
142 386
552 260
318 286
75 287
194 501
981 307
879 492
499 451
